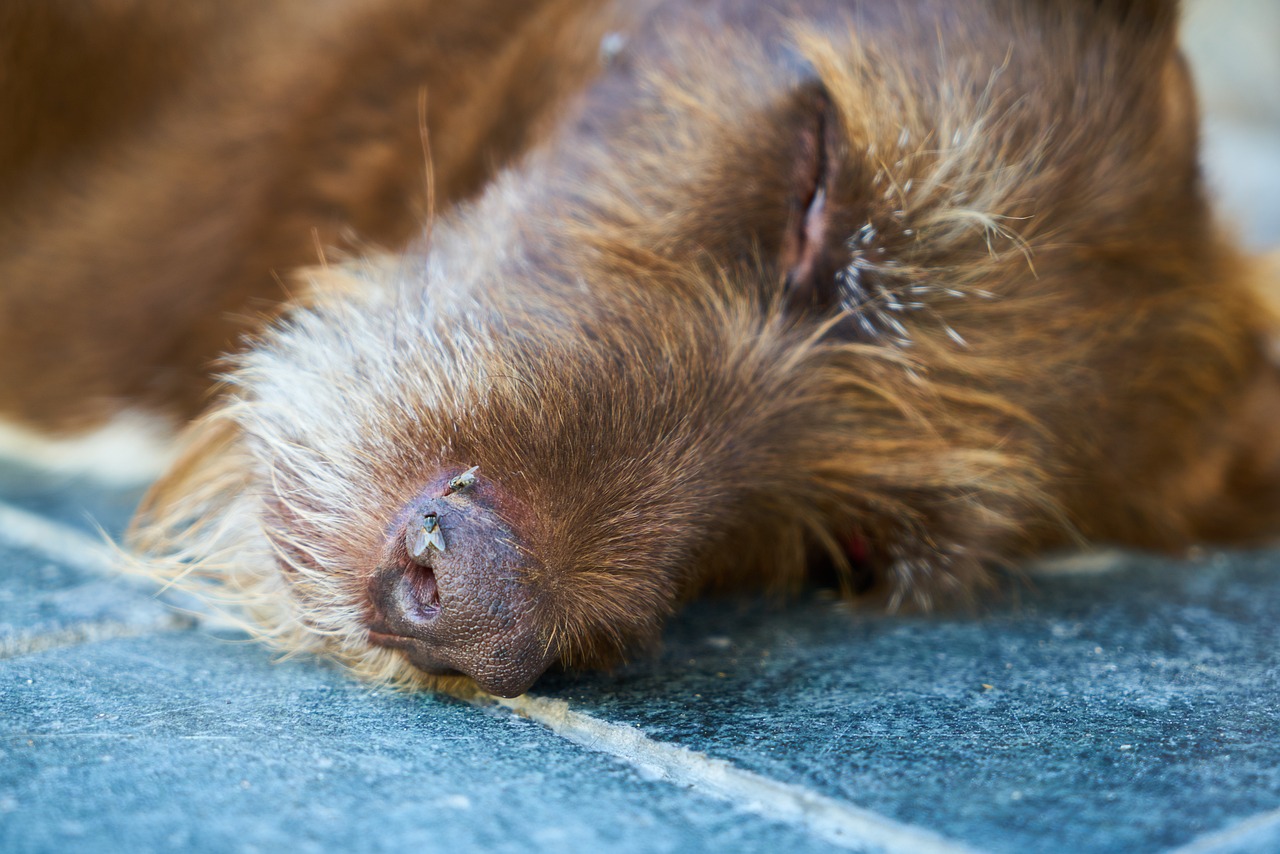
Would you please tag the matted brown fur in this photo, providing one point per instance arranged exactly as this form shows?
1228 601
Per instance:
705 289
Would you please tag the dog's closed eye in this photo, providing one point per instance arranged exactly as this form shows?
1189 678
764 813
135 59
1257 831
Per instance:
809 274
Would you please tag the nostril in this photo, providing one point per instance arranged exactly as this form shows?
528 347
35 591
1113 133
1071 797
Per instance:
420 594
403 595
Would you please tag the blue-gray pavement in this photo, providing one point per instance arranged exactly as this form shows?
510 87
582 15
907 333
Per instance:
46 602
1131 708
186 742
77 501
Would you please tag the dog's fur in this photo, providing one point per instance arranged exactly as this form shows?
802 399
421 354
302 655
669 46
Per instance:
707 290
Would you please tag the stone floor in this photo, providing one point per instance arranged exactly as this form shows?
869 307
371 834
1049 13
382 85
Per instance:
1125 703
1122 703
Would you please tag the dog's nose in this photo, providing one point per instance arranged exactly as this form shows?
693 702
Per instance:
452 591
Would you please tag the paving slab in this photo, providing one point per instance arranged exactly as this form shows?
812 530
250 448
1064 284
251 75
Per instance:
183 741
1129 710
82 502
1134 706
58 592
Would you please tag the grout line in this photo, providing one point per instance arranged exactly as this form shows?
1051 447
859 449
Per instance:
1092 561
67 545
29 643
1230 838
833 821
55 540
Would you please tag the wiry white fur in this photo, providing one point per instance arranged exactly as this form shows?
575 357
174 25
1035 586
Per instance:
324 394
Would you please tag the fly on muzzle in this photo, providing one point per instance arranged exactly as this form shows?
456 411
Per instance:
450 590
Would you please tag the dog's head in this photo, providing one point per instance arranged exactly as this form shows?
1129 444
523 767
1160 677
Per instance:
912 287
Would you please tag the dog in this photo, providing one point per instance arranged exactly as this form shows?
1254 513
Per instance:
544 317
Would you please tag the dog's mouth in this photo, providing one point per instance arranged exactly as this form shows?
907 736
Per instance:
854 572
412 649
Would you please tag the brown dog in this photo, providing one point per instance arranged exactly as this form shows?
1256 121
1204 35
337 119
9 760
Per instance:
706 291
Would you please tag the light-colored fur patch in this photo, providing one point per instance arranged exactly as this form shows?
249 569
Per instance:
132 448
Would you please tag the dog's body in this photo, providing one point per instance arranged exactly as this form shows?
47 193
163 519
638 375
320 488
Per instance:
705 289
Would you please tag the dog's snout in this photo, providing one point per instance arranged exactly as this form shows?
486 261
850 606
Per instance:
453 592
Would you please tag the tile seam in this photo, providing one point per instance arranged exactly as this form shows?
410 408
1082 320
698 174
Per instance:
70 546
1223 839
833 821
56 540
16 646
